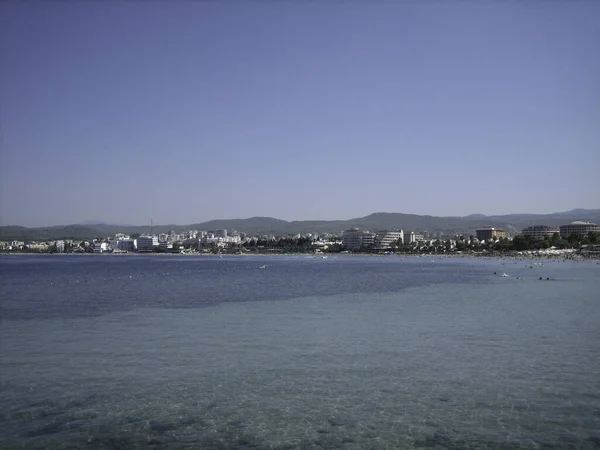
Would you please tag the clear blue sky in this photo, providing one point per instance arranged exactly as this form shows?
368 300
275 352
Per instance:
190 111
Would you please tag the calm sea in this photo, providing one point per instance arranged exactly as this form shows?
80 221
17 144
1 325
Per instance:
298 352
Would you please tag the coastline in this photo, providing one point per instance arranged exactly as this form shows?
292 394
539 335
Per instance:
567 256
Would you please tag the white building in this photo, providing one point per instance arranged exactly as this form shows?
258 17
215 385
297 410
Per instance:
411 238
101 247
387 239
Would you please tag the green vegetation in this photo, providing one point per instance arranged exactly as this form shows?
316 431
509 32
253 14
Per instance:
503 245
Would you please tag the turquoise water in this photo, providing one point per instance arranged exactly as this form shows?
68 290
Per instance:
308 353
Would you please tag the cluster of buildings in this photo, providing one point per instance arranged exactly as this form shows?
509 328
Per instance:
578 228
352 240
59 245
166 241
357 239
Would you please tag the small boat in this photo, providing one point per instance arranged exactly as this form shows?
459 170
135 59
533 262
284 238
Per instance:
504 275
263 266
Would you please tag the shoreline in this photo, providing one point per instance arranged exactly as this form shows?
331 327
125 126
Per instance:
567 256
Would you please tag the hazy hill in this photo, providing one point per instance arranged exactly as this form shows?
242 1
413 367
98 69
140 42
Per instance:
269 225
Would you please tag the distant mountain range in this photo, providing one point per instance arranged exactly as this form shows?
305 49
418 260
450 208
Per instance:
269 225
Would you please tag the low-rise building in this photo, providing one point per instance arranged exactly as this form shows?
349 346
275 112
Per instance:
38 246
580 228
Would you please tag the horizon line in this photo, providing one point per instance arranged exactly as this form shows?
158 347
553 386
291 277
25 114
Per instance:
101 223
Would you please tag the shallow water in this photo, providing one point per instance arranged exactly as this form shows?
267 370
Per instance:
171 352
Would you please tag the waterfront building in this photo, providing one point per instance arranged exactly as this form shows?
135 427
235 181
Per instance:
101 247
387 239
368 239
211 239
539 231
127 245
122 243
352 239
355 239
412 237
580 228
38 246
146 243
489 233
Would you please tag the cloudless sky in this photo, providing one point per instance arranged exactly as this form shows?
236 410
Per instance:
190 111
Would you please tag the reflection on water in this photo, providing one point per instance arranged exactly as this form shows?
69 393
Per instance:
500 364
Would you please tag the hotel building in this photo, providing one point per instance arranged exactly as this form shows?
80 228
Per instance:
580 228
489 233
539 231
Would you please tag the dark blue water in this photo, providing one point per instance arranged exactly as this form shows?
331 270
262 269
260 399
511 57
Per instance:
297 352
62 286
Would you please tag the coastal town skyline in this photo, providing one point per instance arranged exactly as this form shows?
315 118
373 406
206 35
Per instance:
546 240
190 111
